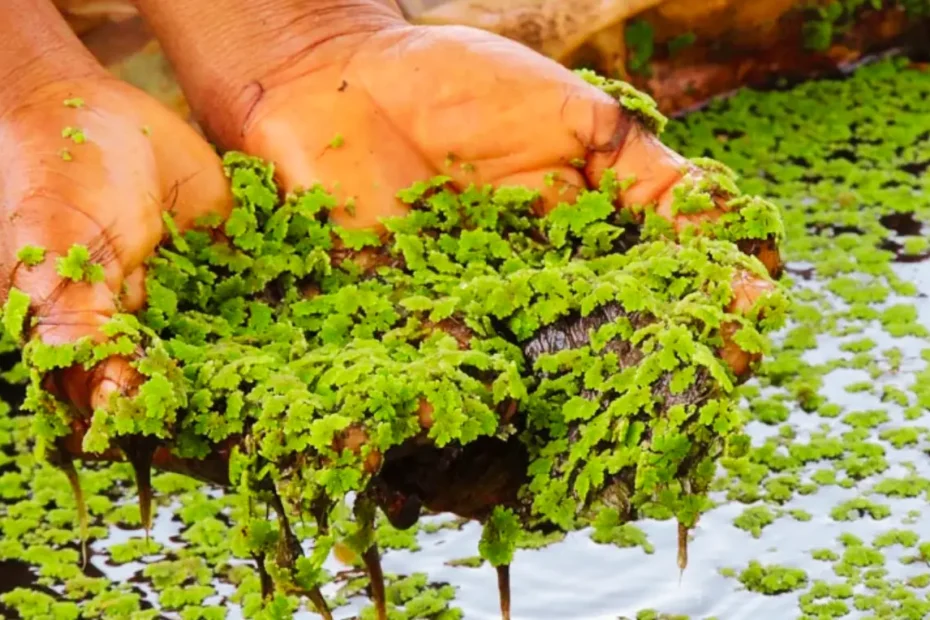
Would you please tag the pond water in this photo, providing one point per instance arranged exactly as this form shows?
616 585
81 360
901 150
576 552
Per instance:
837 482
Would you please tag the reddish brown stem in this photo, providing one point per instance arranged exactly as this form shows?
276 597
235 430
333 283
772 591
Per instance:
372 561
503 589
319 601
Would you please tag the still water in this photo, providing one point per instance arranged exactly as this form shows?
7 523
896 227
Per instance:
577 578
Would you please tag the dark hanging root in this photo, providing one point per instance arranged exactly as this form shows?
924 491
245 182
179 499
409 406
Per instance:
75 483
372 560
263 576
366 511
682 548
503 589
288 545
287 553
320 508
289 550
319 602
61 459
139 450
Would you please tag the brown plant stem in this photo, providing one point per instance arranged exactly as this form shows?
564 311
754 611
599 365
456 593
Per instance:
503 589
319 601
372 559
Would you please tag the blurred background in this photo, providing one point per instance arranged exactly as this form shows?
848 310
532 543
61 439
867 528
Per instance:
680 51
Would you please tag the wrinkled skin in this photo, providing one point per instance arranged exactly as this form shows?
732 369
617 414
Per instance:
137 160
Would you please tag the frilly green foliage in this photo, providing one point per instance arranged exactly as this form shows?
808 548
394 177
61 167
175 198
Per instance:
843 398
259 330
77 265
634 101
846 161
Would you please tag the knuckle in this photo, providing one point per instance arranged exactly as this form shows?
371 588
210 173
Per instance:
611 126
600 125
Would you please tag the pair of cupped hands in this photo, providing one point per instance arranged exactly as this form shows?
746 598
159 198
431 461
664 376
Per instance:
364 104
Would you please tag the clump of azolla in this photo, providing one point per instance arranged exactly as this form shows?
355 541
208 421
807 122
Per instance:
797 146
582 345
846 161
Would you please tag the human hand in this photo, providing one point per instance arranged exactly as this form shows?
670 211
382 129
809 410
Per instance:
94 162
355 99
404 103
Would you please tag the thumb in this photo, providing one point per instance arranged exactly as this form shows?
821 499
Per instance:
635 153
79 310
91 389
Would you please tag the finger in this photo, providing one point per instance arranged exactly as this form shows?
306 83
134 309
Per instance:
109 173
555 185
192 185
91 389
653 172
637 156
748 289
67 309
190 171
64 308
132 295
766 250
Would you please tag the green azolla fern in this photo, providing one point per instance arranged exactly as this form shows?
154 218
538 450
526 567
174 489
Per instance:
357 352
14 314
78 265
262 329
636 102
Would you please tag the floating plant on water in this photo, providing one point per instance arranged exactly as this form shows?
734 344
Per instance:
846 162
534 373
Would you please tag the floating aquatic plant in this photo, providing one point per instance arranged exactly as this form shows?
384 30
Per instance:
845 160
532 373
